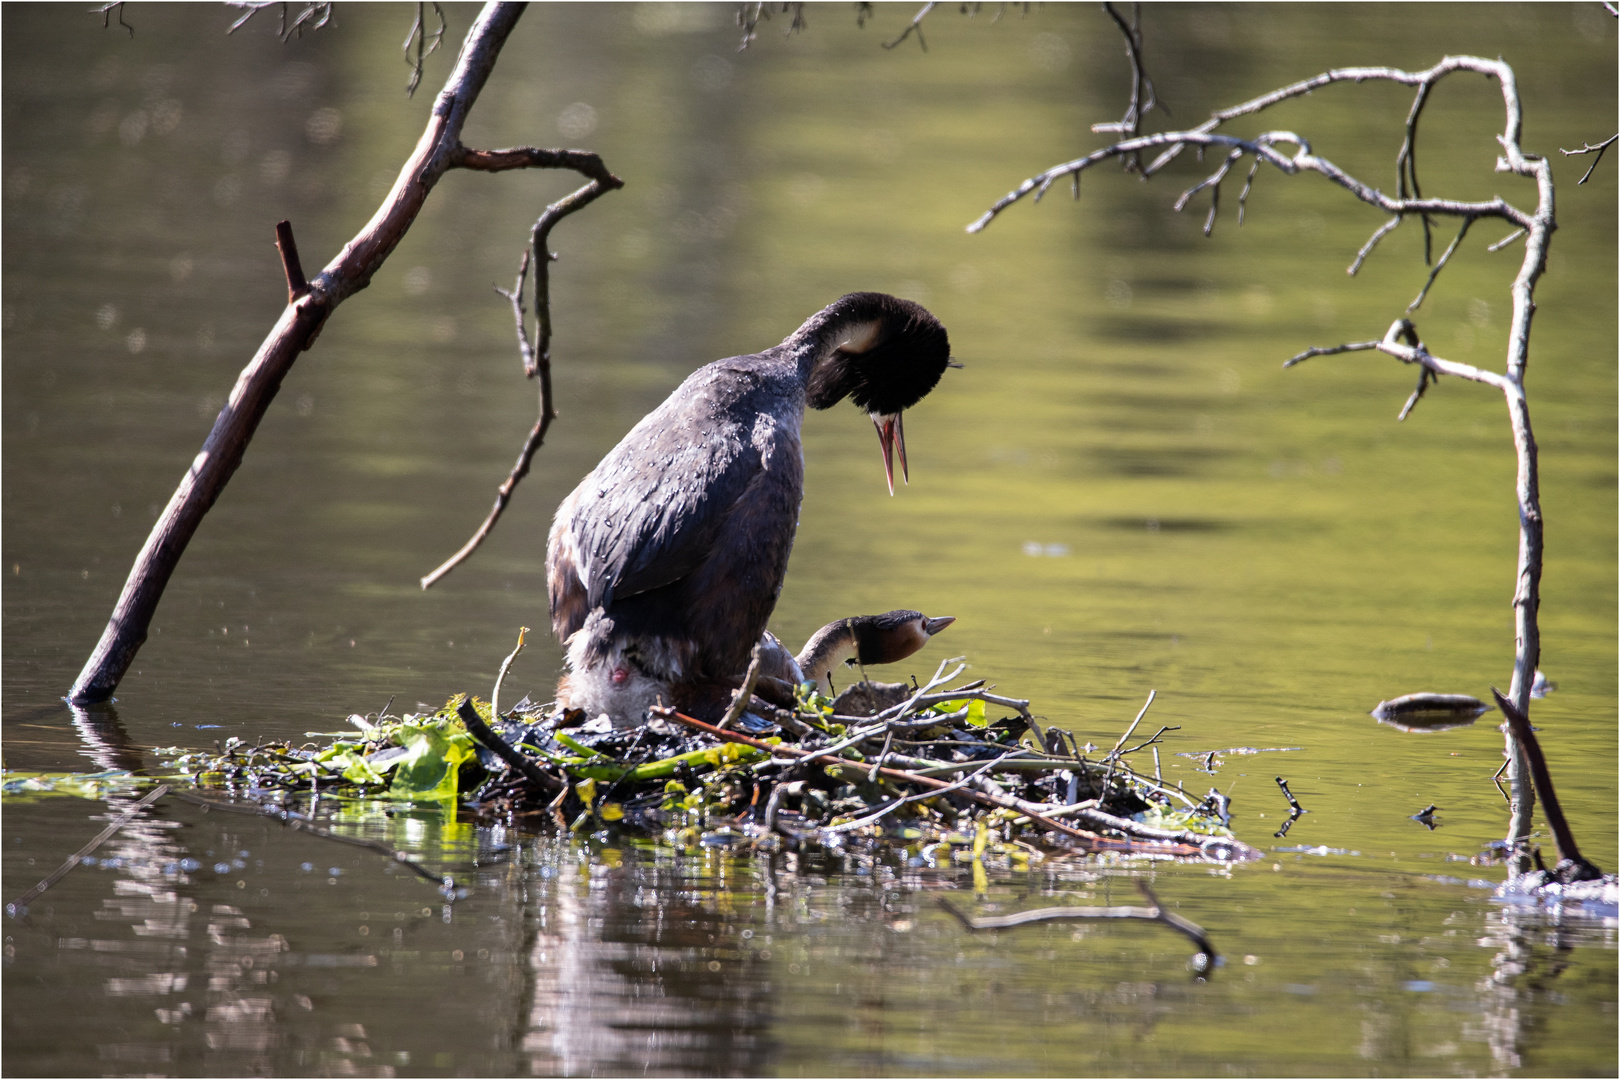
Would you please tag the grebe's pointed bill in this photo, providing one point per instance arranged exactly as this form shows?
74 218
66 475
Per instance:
891 433
935 625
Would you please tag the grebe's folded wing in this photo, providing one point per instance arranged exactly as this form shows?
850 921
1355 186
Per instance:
650 513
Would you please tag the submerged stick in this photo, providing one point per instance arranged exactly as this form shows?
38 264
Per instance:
1156 913
20 905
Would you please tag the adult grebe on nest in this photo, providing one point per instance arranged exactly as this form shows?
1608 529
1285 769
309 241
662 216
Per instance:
665 563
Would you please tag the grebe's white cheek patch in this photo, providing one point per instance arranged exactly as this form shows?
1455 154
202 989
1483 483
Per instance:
860 337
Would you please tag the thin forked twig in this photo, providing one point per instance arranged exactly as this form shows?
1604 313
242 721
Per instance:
1439 266
106 12
426 45
1586 148
1372 241
536 358
1143 97
915 25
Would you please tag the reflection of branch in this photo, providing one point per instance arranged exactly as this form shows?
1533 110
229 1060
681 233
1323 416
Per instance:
438 150
1401 341
749 16
1586 148
20 905
106 13
537 358
426 45
915 25
317 14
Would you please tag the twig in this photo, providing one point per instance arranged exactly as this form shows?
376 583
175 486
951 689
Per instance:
1141 86
1586 148
20 905
106 13
1505 241
1156 913
1114 753
750 15
424 48
524 766
860 823
1366 249
745 692
916 24
537 360
1439 266
1293 803
500 676
297 286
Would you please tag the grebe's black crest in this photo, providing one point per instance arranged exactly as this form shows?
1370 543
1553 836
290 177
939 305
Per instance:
665 563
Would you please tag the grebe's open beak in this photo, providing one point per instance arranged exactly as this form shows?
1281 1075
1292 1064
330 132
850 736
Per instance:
891 431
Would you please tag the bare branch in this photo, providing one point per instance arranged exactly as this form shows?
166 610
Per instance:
426 46
1366 249
915 25
1439 266
315 14
750 15
1143 98
537 358
106 12
1505 241
352 270
1586 148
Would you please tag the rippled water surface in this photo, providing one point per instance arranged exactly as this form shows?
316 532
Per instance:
1120 492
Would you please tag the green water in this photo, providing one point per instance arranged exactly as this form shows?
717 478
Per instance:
1270 551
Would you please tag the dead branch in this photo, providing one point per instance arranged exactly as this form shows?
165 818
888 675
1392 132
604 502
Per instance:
914 26
316 15
438 150
1401 341
1143 98
1586 148
106 12
1155 913
749 17
426 45
1571 865
536 358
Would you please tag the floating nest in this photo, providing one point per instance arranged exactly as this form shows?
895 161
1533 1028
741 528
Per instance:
939 774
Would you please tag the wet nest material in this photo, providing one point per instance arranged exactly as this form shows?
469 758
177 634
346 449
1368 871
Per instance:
950 774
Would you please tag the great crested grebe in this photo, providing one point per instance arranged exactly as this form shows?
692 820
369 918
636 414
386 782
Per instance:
665 563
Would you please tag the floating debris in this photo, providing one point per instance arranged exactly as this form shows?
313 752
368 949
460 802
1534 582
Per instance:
1430 712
